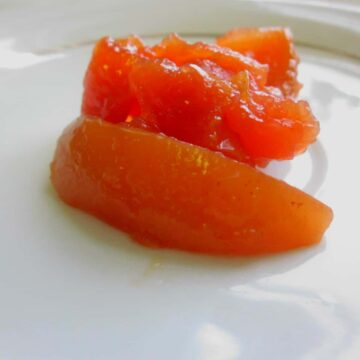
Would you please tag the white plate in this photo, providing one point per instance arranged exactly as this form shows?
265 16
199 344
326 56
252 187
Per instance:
74 288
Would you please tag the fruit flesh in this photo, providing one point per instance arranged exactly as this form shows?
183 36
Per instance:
171 194
179 51
272 46
202 94
278 128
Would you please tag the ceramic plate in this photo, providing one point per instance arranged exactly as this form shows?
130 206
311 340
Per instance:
75 288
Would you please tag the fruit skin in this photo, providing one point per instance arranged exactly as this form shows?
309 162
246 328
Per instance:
273 46
171 194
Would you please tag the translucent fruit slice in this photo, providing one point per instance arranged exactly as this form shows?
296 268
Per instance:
233 117
273 46
106 84
183 102
270 126
171 194
176 49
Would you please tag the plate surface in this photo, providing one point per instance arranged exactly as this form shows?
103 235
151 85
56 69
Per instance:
75 288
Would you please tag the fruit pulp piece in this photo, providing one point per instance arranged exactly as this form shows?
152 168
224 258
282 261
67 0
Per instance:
182 102
176 49
255 125
201 103
270 126
106 84
273 46
171 194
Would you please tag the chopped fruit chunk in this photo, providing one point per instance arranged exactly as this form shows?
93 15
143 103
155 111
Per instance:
272 46
106 82
269 126
183 102
182 53
202 94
